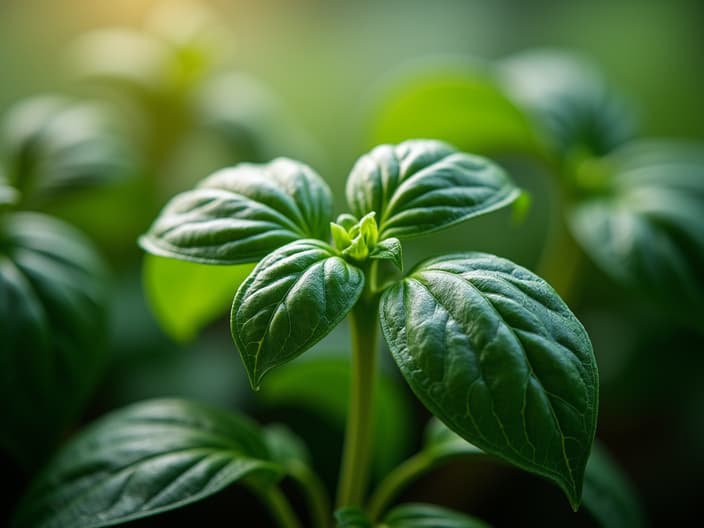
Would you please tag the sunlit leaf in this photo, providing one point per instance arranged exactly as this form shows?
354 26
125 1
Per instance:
186 296
493 352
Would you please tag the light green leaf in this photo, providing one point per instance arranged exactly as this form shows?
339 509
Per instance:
53 295
608 494
321 385
145 459
389 249
53 144
578 112
421 186
493 352
241 214
647 233
292 299
417 515
186 296
457 101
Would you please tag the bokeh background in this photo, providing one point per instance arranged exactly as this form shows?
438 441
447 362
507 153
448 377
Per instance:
308 80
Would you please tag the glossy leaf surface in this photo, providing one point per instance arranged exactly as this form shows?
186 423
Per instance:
241 214
186 296
647 232
494 353
292 299
421 186
142 460
416 515
53 295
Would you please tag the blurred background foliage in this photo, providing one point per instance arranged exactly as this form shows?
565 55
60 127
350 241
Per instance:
109 109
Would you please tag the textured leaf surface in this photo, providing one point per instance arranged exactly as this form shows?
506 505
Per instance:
422 186
416 515
569 99
457 101
144 459
494 353
292 299
241 214
53 144
186 296
52 324
648 232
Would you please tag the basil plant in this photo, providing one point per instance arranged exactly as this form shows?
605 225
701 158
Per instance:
486 345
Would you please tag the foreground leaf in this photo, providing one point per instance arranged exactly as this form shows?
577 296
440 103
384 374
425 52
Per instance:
292 299
186 296
421 186
647 233
494 353
145 459
52 329
241 214
416 515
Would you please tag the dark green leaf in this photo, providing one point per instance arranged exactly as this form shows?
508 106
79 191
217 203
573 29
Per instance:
142 460
321 385
646 233
52 329
441 443
53 144
186 296
608 495
352 518
493 352
241 214
422 186
389 249
416 515
285 447
577 110
292 299
457 101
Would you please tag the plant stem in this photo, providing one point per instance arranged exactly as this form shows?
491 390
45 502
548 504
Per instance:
280 508
356 455
316 496
396 481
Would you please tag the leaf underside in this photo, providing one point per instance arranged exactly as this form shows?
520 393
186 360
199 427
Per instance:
494 353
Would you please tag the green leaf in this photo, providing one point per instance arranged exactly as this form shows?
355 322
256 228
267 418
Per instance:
321 385
145 459
646 233
389 249
608 494
186 296
493 352
417 515
578 112
352 518
292 299
8 194
241 214
54 144
457 101
421 186
441 443
52 329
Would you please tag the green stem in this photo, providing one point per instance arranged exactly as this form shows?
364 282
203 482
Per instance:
316 496
396 481
280 508
357 449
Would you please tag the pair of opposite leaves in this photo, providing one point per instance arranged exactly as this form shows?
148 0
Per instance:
486 345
